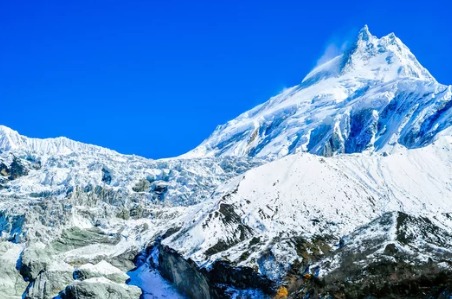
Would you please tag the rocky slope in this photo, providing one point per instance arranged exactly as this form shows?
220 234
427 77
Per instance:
296 212
339 187
65 205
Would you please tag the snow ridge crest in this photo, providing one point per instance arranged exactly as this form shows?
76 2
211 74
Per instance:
12 140
369 57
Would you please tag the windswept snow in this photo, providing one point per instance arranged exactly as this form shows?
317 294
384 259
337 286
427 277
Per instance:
365 138
373 96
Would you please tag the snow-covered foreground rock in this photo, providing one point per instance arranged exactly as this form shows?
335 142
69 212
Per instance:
338 187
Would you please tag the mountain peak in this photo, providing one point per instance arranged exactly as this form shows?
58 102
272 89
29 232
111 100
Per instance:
371 58
364 34
9 139
371 97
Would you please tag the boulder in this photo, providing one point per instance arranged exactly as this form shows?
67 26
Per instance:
12 285
101 269
99 288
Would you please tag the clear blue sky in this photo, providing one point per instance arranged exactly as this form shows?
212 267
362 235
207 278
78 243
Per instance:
155 78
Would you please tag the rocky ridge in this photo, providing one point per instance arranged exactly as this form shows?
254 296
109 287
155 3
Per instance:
339 187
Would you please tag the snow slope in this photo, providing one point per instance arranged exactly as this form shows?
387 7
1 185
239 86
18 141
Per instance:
373 96
258 216
364 138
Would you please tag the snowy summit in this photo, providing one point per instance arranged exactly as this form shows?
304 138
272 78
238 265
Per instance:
373 96
338 187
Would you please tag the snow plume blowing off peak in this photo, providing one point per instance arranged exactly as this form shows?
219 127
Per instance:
372 97
337 44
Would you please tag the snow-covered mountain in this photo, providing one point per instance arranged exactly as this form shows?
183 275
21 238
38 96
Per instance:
373 96
65 204
306 196
349 172
60 166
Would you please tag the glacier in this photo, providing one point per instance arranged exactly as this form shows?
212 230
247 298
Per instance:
321 191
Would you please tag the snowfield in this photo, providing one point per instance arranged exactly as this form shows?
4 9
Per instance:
345 172
308 195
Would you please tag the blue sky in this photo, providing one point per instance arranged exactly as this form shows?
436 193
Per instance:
155 78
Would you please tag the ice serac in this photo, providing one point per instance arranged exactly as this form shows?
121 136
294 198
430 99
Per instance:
224 221
370 98
65 204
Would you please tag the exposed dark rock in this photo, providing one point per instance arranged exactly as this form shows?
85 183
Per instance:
17 169
228 216
171 231
212 282
142 186
383 279
184 274
47 284
390 249
106 176
137 212
14 171
4 171
223 274
380 267
33 261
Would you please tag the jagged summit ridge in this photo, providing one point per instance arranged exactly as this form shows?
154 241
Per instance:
368 57
392 50
373 97
76 219
364 33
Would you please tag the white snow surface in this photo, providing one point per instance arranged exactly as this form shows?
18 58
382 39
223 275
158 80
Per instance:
308 195
59 165
277 172
371 97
